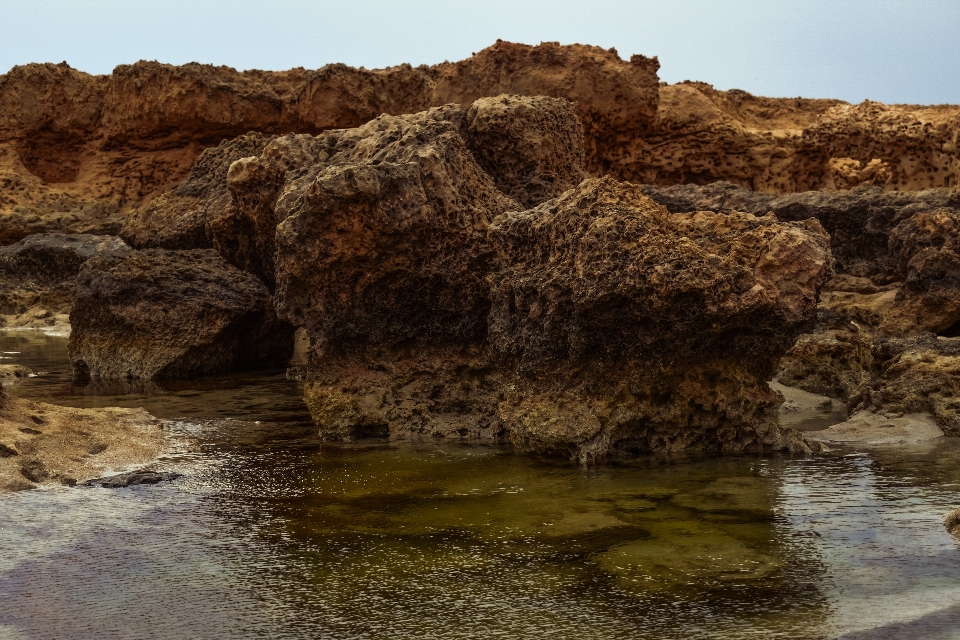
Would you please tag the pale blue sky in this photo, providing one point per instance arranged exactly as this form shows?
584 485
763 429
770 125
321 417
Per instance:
886 50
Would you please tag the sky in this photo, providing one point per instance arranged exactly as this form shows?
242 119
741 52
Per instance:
894 51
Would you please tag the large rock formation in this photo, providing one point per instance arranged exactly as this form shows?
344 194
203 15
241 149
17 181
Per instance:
38 275
77 149
595 322
785 145
77 152
155 314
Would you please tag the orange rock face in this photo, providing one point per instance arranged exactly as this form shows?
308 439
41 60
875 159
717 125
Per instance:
77 151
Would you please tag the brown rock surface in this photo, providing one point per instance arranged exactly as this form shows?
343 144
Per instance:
785 145
155 314
834 360
76 150
38 275
861 222
916 374
42 443
596 322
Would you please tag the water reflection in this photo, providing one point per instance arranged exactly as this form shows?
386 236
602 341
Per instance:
272 534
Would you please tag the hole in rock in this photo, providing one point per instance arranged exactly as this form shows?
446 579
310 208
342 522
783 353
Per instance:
52 156
953 331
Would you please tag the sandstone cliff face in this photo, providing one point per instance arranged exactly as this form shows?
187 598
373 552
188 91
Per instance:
785 145
77 152
75 149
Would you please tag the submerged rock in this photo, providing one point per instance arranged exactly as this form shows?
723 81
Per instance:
132 478
155 313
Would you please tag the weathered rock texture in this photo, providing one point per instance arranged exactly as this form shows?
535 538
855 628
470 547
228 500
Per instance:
784 145
916 374
155 314
860 221
593 323
75 149
77 152
42 443
834 360
38 275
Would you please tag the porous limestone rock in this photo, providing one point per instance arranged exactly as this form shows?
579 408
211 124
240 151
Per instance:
929 299
915 374
834 360
594 323
861 222
38 275
43 443
531 146
178 219
625 328
155 314
78 151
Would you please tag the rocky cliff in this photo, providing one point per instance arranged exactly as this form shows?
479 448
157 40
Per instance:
79 152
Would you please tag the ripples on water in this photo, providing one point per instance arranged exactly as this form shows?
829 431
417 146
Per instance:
270 535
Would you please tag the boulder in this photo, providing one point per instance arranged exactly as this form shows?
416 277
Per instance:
38 275
178 219
156 313
593 323
624 328
917 374
834 360
929 299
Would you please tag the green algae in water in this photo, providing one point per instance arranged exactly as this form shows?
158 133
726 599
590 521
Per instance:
269 534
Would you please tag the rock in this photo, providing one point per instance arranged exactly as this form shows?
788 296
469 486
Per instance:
155 314
952 523
38 275
531 147
834 360
77 152
861 222
929 299
178 219
42 443
132 478
628 329
868 428
788 145
591 324
917 374
12 375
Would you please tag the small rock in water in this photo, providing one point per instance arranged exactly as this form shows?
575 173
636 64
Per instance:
132 478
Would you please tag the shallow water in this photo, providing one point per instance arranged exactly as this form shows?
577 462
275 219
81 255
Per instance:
271 535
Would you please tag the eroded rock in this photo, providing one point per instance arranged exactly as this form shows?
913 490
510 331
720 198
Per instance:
594 323
915 374
861 222
156 313
38 275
